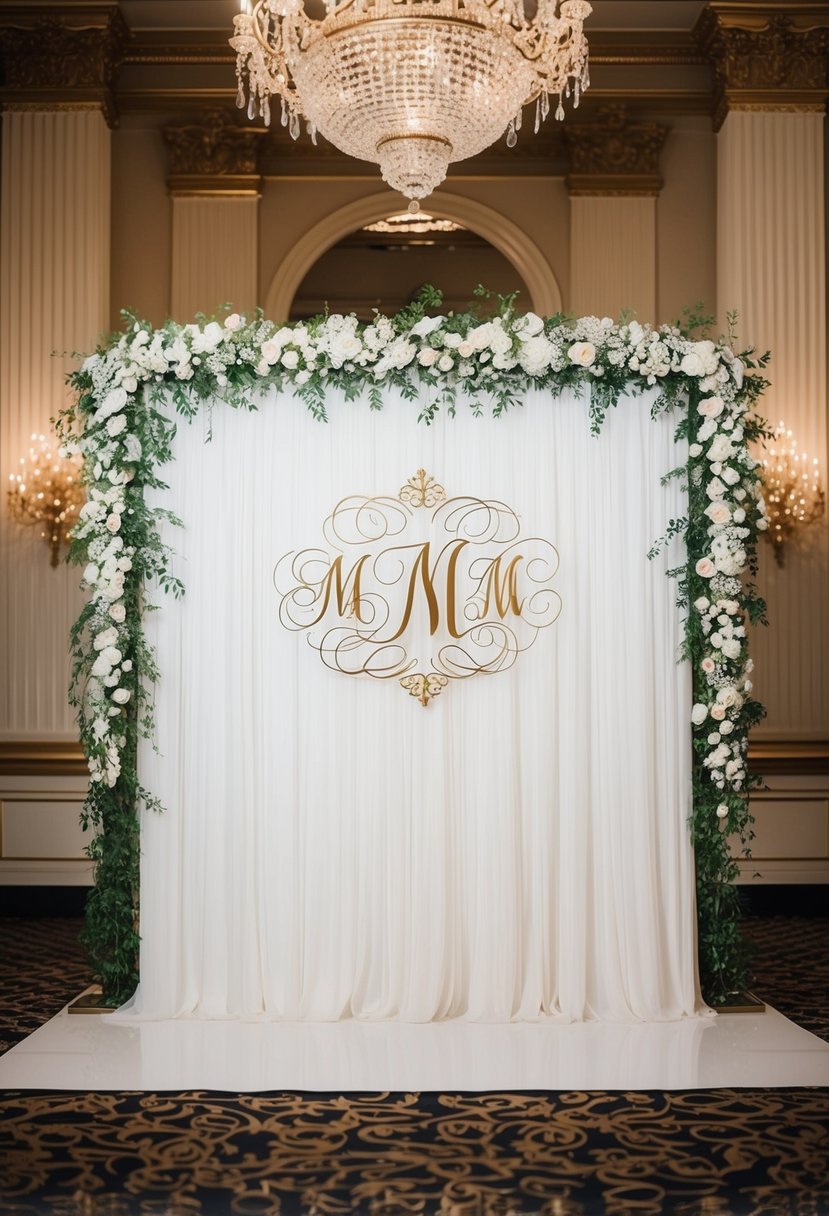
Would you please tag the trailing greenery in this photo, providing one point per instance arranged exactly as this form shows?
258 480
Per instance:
132 393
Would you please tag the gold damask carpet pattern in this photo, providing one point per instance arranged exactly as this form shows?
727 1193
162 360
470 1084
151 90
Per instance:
712 1152
698 1153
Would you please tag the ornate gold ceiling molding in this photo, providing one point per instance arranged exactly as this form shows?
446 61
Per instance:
614 155
57 59
614 48
213 156
765 59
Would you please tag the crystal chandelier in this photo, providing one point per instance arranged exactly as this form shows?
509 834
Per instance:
410 84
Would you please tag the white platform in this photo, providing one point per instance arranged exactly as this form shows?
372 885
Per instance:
91 1052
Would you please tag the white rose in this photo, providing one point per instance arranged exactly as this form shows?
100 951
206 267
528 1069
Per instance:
722 811
290 359
446 363
731 648
726 727
121 695
702 603
762 524
718 712
116 425
718 512
695 450
708 428
730 476
582 353
90 574
711 407
705 567
106 638
715 488
302 377
708 665
536 355
233 322
528 326
453 341
728 696
127 665
427 356
210 337
739 515
720 448
713 738
691 365
699 713
118 612
466 349
343 345
113 522
114 401
402 352
426 326
270 352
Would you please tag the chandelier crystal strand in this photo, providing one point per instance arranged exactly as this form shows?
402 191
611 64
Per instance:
412 85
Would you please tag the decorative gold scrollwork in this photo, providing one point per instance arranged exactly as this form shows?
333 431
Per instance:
424 687
422 491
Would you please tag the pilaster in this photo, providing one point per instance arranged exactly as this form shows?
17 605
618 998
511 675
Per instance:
771 89
614 181
215 186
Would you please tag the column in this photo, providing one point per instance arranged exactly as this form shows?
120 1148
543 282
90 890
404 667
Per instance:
614 182
54 297
771 88
215 187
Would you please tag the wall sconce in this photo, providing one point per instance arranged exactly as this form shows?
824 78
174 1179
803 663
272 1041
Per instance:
46 490
792 490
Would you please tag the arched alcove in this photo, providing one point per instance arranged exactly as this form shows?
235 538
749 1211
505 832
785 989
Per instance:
502 233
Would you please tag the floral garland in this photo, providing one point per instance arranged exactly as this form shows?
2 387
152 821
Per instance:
123 425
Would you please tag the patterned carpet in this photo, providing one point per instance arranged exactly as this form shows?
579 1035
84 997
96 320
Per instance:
698 1153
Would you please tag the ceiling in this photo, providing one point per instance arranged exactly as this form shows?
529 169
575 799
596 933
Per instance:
643 53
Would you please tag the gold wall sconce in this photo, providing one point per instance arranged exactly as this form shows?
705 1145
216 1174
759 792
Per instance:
46 491
792 490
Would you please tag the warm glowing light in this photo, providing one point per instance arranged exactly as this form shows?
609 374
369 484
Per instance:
792 489
46 492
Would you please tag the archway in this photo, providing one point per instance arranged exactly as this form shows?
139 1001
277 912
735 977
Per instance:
497 229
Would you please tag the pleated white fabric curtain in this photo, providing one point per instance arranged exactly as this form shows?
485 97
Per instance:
517 850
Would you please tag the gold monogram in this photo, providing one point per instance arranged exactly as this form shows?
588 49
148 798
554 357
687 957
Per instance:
474 592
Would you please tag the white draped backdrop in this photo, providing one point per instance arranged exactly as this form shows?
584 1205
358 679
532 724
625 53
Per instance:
517 850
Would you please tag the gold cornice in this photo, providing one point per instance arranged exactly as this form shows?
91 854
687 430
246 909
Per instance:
765 57
57 58
614 155
214 155
42 759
